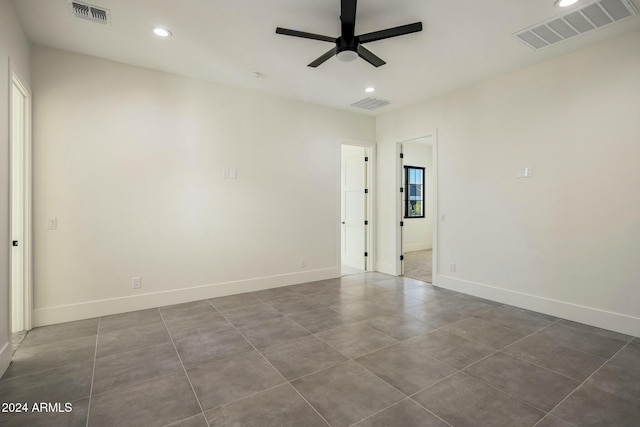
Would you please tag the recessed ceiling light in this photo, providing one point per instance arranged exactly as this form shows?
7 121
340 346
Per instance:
161 32
370 89
566 3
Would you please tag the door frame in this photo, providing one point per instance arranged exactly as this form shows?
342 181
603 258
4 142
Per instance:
399 267
26 244
371 203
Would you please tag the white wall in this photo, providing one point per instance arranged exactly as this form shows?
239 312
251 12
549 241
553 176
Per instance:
565 241
130 161
417 234
14 49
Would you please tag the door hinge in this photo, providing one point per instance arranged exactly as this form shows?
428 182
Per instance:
366 159
366 191
366 222
366 254
401 223
402 189
15 243
402 155
401 257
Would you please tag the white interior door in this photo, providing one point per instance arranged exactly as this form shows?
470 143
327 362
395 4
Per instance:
18 138
354 179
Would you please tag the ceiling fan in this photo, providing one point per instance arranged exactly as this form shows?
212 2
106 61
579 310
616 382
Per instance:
349 46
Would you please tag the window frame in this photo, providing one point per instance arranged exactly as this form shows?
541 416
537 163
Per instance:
407 169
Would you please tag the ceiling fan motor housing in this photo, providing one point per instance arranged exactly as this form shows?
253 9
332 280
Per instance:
342 44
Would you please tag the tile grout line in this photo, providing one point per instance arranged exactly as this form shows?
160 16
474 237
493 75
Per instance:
270 364
502 348
478 379
632 340
183 368
173 423
147 380
364 367
597 333
582 351
515 356
584 382
51 368
255 393
44 370
559 345
391 406
93 373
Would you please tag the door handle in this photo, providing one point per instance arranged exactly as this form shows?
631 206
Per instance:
343 222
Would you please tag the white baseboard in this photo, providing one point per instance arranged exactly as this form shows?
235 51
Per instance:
422 246
86 310
622 323
5 357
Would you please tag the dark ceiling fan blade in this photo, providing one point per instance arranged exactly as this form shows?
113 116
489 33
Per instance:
391 32
348 18
323 58
370 57
296 33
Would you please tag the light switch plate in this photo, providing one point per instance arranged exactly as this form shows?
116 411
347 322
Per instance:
526 172
52 223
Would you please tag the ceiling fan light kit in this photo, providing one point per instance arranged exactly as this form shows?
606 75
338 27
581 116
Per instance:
348 46
347 56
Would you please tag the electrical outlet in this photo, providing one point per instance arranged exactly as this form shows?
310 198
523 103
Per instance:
136 283
452 267
303 262
225 173
443 217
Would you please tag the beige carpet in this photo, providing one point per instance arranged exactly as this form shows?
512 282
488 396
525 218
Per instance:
417 265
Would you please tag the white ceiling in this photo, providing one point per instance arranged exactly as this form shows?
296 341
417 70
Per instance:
463 42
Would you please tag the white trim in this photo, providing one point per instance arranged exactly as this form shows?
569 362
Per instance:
5 357
397 270
622 323
436 217
399 265
26 243
85 310
371 207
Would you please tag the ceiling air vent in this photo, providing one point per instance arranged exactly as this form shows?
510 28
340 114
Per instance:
596 14
90 13
370 103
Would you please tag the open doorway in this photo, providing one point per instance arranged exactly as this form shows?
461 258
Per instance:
417 224
354 209
20 211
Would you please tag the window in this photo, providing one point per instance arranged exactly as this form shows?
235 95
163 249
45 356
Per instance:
414 192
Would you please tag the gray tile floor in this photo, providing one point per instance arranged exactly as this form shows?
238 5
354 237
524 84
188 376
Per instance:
418 265
365 350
